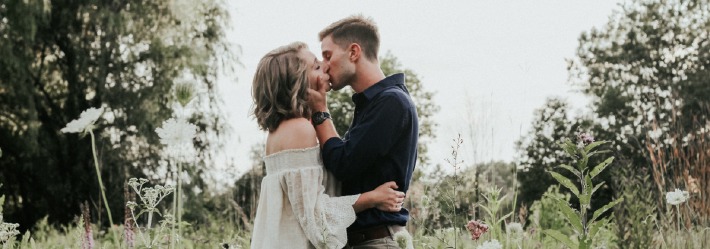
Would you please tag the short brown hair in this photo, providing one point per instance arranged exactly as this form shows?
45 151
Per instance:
355 29
280 87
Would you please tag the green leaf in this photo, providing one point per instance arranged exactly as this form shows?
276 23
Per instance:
595 226
597 187
560 237
565 182
597 152
569 147
601 166
586 196
571 169
585 199
606 207
487 210
593 145
504 217
571 214
582 164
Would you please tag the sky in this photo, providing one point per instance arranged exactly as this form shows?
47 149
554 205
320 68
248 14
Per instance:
490 63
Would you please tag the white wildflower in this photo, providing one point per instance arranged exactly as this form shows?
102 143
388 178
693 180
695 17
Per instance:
403 239
514 228
677 197
178 134
491 244
85 122
7 230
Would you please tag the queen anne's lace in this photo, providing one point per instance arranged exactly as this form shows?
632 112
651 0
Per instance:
294 209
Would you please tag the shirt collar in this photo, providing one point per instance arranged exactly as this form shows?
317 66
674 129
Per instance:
372 91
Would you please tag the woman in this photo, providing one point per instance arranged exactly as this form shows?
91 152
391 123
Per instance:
298 207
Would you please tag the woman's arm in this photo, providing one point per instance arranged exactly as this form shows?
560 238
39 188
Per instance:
384 198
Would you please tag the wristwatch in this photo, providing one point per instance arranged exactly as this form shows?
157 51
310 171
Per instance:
319 117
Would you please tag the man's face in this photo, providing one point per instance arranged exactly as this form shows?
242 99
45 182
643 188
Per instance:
339 66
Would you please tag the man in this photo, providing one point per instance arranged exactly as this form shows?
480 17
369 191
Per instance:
381 143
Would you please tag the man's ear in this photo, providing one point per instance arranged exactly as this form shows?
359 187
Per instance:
355 52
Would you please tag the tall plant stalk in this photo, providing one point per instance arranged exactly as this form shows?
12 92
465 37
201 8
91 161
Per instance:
101 187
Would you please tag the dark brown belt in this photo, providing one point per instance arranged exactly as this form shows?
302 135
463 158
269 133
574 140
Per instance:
370 233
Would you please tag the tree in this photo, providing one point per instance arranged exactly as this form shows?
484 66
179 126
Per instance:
649 65
58 59
647 73
342 107
539 152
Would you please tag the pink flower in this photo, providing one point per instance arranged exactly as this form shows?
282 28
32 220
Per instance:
477 228
585 138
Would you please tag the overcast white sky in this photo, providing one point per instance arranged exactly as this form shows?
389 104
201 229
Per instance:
491 63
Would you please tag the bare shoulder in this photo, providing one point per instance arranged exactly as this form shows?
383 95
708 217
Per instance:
297 133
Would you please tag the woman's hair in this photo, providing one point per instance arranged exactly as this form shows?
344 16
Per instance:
280 87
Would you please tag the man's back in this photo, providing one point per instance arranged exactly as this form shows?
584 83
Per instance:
380 146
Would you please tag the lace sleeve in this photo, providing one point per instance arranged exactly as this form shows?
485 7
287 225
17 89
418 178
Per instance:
324 218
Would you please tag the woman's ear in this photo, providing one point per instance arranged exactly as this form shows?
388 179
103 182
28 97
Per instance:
355 52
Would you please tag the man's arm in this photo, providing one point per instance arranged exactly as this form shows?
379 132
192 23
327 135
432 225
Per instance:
318 103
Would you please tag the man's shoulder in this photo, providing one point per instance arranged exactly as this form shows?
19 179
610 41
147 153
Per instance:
396 95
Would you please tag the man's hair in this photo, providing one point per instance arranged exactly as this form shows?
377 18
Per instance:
280 87
355 29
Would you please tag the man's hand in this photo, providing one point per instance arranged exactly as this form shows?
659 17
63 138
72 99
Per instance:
317 97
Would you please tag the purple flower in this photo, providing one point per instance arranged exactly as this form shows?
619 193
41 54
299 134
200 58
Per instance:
585 138
477 228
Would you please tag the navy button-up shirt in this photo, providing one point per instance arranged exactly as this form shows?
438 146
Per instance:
380 146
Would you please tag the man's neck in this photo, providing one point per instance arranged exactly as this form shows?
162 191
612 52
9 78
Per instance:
369 75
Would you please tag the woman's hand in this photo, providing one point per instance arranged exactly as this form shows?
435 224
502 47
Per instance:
384 198
387 199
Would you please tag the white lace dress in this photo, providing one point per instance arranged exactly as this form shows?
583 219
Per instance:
298 207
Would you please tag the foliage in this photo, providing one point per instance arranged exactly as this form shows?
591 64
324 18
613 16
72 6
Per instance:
585 228
647 74
634 214
539 151
58 59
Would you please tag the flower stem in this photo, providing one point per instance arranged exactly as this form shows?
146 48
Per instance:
178 193
175 205
101 187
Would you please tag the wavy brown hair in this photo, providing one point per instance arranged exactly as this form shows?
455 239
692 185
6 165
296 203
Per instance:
280 87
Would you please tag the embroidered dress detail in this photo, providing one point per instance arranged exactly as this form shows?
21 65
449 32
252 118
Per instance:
299 206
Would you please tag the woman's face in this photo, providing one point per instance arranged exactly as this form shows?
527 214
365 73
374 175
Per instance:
314 68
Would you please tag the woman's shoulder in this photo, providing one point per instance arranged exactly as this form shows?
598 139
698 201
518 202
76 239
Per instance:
296 133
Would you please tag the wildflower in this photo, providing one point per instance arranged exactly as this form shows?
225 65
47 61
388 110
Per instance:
677 197
514 228
185 92
491 244
177 134
85 122
403 239
88 240
585 138
477 228
693 185
7 230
